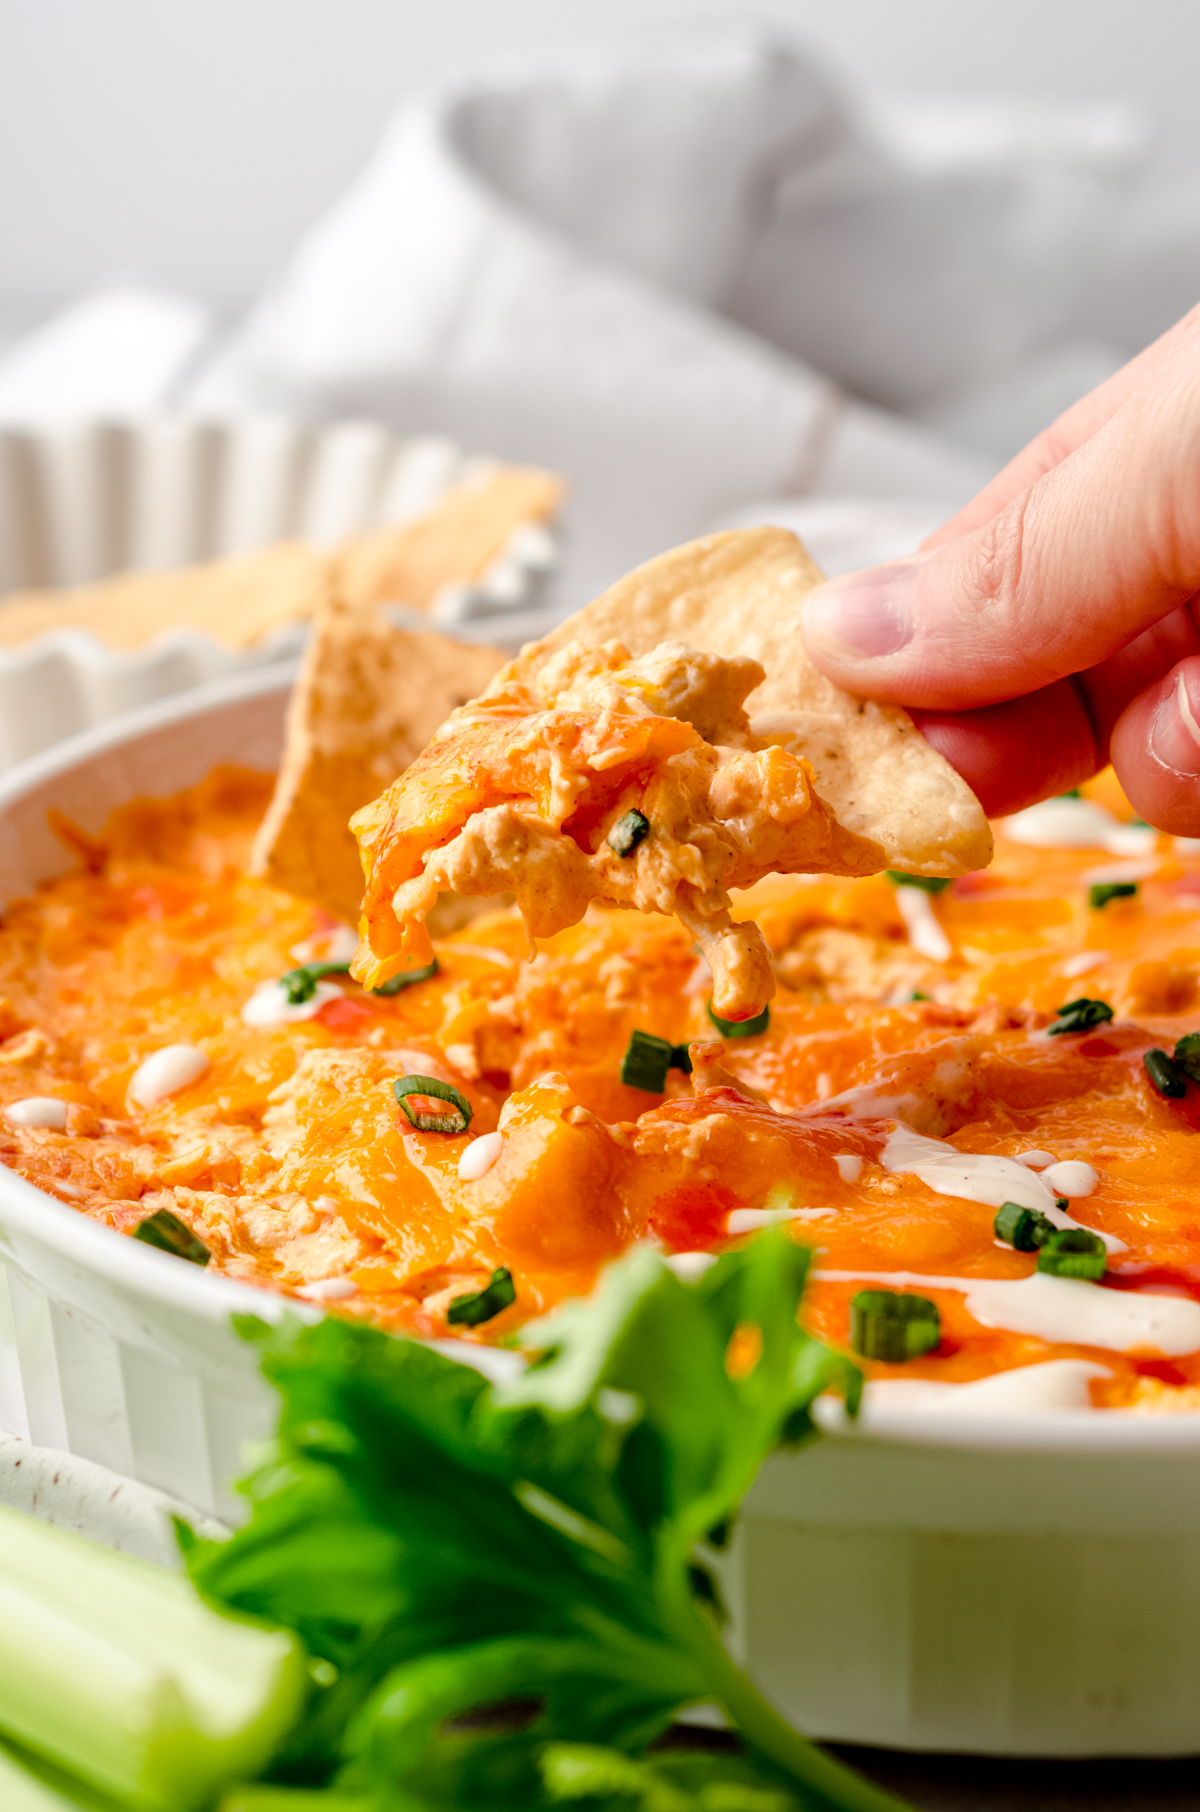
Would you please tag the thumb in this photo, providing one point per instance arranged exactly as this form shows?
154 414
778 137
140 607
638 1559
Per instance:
1087 557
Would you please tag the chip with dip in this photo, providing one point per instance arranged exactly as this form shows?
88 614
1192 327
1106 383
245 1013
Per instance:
981 1097
630 758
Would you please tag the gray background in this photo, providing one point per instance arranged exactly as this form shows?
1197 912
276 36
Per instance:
189 141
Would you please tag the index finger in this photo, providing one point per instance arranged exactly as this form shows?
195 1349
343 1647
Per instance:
1062 437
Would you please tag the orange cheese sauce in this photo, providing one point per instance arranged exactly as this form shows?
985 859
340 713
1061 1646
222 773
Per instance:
290 1159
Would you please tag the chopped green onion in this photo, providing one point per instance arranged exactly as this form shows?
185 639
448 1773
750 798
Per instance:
647 1060
740 1028
470 1311
1081 1016
1187 1055
629 830
404 1086
301 984
166 1231
1163 1074
1022 1228
408 979
117 1672
1073 1252
927 883
1101 892
1072 792
886 1325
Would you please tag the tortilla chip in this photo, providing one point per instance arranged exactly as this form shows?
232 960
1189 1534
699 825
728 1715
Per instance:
740 593
455 542
367 700
239 601
236 602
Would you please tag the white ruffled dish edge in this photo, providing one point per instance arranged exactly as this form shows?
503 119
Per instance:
90 1500
79 502
1005 1583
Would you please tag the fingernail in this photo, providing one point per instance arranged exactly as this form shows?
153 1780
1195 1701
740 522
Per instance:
867 614
1175 733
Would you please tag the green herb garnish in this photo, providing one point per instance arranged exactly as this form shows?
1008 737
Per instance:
1022 1228
408 979
1081 1015
892 1327
671 1780
166 1231
647 1060
483 1305
1186 1055
1101 892
1073 1252
457 1122
927 883
629 830
1166 1077
300 985
451 1546
502 1589
740 1028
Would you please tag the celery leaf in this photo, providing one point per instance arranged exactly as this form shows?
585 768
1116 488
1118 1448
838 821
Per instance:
492 1569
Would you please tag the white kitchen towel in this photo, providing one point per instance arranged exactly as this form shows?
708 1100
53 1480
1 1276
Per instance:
708 284
112 356
540 260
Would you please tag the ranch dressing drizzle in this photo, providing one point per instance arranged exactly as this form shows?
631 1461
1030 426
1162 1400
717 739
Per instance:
328 1289
165 1072
1063 1310
478 1157
1077 824
1054 1384
38 1110
1106 872
925 933
1084 963
335 946
269 1005
978 1177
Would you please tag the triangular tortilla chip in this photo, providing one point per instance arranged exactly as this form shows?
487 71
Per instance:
621 759
740 593
236 602
455 542
240 600
368 698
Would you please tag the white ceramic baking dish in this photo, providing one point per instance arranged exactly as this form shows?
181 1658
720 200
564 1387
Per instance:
1017 1584
80 501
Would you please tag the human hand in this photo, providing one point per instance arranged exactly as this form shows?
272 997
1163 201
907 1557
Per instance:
1054 623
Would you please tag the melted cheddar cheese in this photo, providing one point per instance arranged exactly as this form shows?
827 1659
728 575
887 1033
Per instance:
288 1156
520 790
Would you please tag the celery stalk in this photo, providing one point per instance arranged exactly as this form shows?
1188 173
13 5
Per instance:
27 1785
21 1791
296 1799
117 1672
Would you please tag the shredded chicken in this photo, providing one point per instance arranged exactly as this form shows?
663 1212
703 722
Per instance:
521 789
